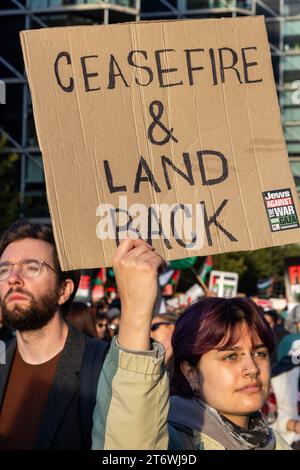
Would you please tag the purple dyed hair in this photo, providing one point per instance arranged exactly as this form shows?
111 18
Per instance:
209 323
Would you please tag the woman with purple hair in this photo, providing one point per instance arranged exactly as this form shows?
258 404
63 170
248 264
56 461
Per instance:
221 378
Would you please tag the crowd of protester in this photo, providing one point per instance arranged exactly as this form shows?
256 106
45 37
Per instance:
52 338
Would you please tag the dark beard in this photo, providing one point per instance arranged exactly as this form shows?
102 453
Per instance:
37 315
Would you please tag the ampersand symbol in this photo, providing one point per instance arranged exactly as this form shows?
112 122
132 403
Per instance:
156 122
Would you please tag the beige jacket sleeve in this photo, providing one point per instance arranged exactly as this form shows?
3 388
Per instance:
132 401
281 444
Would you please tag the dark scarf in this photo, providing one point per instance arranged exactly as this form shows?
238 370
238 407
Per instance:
199 417
257 435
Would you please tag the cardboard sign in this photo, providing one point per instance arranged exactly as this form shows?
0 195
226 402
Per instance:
223 284
169 131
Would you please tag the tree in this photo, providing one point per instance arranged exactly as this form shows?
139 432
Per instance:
255 265
9 186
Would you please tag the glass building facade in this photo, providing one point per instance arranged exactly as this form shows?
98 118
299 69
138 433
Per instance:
17 122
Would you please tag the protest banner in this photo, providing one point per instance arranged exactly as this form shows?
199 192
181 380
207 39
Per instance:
84 291
292 279
223 284
169 131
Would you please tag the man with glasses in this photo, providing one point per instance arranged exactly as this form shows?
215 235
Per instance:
39 382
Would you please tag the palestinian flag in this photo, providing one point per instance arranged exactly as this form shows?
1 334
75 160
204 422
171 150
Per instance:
165 277
206 268
183 263
171 286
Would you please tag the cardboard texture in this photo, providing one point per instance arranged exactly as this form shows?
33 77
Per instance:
181 113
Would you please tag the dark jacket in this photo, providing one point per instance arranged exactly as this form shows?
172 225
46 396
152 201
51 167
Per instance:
60 427
6 335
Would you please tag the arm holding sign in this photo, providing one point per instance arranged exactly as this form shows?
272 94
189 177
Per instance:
132 414
136 266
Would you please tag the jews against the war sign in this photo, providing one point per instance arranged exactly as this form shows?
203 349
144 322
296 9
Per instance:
168 131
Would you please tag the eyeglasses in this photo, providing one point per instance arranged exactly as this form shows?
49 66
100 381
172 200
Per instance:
102 325
158 324
29 268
